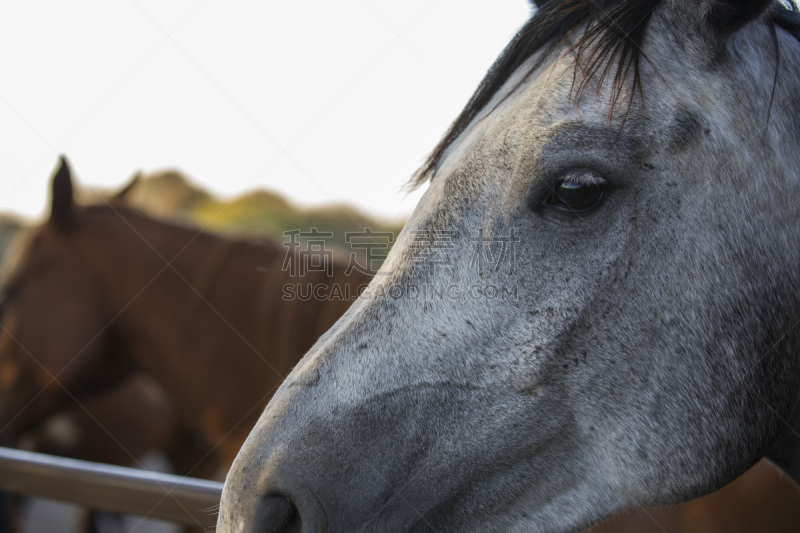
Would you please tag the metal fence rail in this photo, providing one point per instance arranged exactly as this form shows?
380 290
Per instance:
126 490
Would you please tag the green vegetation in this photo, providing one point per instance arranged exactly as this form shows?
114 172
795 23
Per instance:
254 213
171 195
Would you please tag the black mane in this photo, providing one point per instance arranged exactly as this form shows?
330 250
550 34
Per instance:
613 42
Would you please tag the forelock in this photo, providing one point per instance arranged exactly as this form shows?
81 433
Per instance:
609 49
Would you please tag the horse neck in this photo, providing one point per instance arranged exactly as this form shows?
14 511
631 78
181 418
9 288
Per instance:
149 268
207 316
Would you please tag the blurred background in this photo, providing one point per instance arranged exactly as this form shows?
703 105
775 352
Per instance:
254 118
244 117
323 102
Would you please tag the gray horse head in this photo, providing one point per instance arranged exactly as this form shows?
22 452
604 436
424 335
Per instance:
593 306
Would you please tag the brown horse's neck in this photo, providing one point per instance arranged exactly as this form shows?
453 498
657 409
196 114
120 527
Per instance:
148 267
204 314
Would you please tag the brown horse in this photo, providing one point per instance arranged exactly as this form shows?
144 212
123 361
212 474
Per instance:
114 426
99 296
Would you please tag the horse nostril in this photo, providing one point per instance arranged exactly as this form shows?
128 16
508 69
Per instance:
278 514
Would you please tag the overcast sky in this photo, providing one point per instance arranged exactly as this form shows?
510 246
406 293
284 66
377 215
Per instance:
323 101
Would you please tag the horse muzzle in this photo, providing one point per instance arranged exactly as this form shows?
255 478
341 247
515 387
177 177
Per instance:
403 460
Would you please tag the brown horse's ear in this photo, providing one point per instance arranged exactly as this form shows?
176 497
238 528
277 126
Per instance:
61 201
122 195
727 16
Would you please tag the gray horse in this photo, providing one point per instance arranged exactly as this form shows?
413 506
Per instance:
593 307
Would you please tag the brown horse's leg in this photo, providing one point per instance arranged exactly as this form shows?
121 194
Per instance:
9 512
9 503
116 426
97 521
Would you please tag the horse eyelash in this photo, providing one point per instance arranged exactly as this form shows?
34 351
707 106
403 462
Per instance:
585 176
544 188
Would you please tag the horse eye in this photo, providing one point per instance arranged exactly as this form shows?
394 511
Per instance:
577 196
